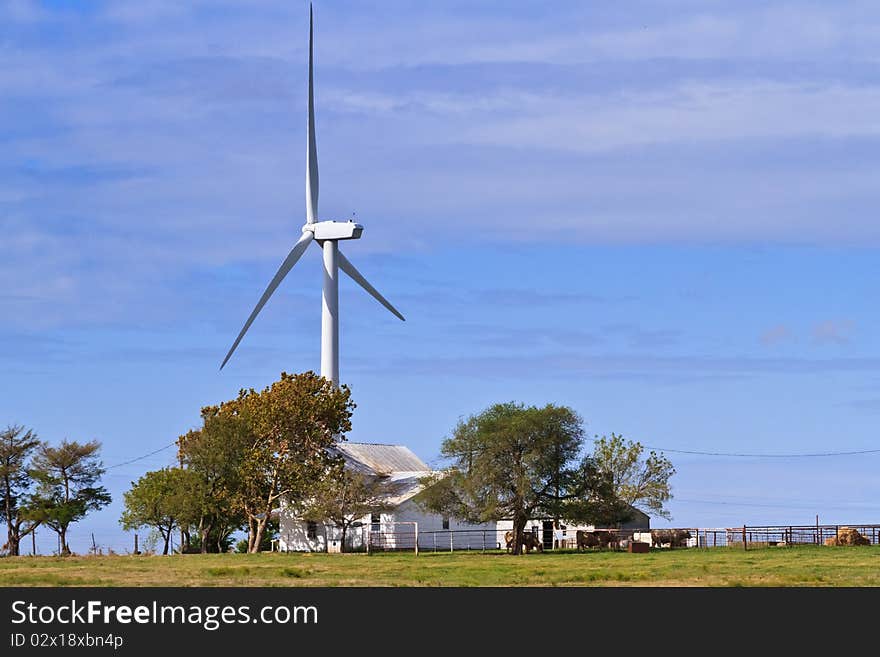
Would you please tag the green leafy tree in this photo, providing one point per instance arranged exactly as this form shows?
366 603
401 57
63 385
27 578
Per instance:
67 478
160 500
518 462
343 497
215 454
293 423
17 445
640 481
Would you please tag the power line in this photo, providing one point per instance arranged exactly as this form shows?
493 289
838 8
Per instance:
764 456
783 504
140 458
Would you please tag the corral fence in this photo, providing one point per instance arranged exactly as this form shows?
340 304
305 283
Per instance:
406 536
781 536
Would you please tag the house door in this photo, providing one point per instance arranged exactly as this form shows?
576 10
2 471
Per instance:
547 534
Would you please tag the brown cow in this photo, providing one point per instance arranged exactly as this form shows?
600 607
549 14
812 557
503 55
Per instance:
600 538
673 537
529 541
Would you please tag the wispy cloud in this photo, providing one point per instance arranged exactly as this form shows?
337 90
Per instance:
638 337
775 335
553 366
866 405
170 151
833 331
23 11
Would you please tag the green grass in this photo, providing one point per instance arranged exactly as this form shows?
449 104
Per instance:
797 566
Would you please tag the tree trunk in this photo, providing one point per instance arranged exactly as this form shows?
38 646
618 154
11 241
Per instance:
12 537
258 537
252 532
342 547
204 535
62 534
222 535
166 536
519 527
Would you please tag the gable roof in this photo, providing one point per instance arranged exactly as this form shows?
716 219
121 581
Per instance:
396 463
374 458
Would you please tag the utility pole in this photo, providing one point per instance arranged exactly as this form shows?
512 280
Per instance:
182 534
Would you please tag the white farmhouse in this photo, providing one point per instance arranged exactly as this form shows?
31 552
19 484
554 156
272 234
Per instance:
394 529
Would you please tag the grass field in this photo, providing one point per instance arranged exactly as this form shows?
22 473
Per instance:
798 566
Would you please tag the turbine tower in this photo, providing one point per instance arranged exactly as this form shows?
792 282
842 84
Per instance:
327 235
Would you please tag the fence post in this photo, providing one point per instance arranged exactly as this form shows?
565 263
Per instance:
450 541
484 540
745 545
417 537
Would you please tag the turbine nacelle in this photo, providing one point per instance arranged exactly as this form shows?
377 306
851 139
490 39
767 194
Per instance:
334 230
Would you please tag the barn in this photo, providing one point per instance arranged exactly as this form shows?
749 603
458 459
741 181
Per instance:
394 529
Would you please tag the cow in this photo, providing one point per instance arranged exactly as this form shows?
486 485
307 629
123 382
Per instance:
529 541
673 537
600 538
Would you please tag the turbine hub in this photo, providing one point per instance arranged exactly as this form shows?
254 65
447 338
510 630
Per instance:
334 230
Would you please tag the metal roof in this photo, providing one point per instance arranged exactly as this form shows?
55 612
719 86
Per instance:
383 459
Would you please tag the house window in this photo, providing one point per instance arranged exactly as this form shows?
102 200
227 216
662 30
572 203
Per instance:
445 522
375 519
312 530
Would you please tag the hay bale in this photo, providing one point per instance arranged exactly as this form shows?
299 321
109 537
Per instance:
848 536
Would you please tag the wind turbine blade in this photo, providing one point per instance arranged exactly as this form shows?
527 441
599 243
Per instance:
311 146
294 255
346 266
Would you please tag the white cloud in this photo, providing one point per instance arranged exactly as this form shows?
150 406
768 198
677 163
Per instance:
688 113
202 120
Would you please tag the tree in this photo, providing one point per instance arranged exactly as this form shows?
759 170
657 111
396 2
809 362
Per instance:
160 499
640 482
292 425
343 497
518 462
16 447
214 454
67 478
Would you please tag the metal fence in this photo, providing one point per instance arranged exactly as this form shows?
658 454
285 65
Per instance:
782 535
406 538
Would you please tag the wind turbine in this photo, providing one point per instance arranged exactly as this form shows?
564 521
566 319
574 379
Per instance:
327 235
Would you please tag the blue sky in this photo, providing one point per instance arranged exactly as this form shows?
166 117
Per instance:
660 213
